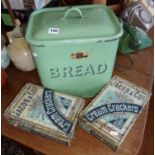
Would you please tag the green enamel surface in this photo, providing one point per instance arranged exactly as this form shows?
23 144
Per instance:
96 33
98 22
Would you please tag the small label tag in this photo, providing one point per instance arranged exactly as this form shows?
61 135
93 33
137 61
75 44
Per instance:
114 133
52 30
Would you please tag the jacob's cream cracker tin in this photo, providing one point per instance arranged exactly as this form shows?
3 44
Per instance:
113 111
45 112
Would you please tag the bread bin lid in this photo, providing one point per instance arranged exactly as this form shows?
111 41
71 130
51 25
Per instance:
85 23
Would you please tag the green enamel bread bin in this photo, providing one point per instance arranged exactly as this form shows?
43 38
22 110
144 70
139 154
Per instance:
74 48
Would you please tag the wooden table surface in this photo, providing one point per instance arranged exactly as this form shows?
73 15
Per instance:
140 73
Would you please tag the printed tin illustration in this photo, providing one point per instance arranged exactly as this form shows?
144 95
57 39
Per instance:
46 112
113 111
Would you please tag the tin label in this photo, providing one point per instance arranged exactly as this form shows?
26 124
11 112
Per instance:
125 89
53 114
53 30
111 108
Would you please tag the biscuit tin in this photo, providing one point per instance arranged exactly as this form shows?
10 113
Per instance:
113 111
46 112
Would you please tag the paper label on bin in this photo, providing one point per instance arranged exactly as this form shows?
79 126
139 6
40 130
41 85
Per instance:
53 30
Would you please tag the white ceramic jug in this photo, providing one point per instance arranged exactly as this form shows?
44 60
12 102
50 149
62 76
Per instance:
19 50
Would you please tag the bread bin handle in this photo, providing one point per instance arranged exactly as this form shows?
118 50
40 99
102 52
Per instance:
71 10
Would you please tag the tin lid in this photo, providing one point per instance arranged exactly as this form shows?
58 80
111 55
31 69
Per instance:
83 23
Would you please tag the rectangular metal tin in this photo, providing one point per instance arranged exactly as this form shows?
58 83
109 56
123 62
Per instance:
112 128
27 111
